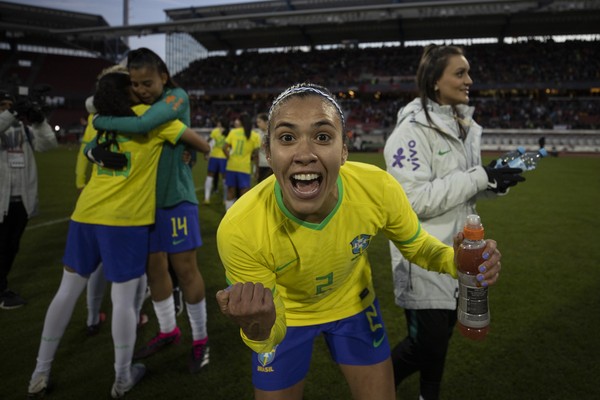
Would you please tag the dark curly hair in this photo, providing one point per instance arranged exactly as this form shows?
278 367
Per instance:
112 95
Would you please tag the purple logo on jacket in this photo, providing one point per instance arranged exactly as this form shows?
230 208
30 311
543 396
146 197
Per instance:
411 157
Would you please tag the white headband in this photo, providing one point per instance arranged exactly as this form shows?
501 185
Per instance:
301 88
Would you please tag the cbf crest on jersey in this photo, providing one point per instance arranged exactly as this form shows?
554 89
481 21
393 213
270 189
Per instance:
265 359
360 243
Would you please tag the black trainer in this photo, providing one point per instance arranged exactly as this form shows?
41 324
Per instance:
10 300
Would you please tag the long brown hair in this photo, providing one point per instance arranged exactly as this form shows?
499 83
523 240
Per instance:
434 61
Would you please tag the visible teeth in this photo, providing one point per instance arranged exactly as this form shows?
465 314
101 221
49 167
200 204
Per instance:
305 177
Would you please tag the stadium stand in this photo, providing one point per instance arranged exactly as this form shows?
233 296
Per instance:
535 83
57 69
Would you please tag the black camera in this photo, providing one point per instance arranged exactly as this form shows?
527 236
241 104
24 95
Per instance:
32 106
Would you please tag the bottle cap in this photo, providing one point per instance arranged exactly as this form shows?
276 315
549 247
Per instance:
473 229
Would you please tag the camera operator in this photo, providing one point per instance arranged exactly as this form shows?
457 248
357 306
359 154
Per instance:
23 129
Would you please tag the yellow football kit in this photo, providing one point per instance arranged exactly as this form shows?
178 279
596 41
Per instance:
217 150
320 272
240 153
82 163
104 201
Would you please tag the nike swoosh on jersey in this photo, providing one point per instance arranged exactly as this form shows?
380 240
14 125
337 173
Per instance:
176 242
287 264
441 153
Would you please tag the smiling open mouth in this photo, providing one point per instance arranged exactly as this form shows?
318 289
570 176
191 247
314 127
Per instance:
306 184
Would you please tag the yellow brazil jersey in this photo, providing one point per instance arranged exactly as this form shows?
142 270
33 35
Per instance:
320 272
217 150
240 153
82 163
128 197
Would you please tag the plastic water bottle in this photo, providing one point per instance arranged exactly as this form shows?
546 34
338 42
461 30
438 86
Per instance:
508 157
529 160
473 308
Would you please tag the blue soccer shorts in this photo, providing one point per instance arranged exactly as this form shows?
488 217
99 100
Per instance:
123 250
217 165
357 340
238 180
176 229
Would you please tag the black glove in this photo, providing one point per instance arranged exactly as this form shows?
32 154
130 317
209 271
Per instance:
104 157
500 179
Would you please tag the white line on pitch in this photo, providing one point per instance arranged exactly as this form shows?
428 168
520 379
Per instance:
54 222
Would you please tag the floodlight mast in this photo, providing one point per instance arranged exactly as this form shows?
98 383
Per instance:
126 20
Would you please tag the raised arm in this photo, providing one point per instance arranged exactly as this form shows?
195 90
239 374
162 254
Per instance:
418 246
173 105
195 141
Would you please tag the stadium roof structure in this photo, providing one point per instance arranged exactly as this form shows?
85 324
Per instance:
294 23
32 25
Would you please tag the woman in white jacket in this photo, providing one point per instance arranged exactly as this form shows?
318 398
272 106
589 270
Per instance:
18 180
434 152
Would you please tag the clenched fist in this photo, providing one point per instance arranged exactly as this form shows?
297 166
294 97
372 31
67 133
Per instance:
251 306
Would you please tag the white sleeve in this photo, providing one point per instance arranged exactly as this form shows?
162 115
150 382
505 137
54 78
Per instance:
6 120
409 156
43 136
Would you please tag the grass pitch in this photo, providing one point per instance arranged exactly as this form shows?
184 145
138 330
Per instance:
543 342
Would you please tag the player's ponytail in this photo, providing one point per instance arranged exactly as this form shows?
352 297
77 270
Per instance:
246 124
226 125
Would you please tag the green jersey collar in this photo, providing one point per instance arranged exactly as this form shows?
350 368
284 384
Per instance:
310 225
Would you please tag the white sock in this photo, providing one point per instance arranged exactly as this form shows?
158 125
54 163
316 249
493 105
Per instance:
141 295
124 325
95 294
197 315
228 204
208 187
165 313
57 318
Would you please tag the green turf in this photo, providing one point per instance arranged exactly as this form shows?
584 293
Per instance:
543 342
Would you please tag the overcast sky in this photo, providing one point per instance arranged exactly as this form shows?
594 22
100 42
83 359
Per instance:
140 12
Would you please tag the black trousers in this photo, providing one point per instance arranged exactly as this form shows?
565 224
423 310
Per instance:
424 349
11 230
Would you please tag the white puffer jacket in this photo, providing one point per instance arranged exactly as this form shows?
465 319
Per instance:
42 138
442 175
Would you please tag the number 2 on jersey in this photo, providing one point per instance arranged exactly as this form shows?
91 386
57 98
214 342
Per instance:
323 287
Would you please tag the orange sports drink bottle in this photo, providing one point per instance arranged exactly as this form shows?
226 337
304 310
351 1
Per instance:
473 308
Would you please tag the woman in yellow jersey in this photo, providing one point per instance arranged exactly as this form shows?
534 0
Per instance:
217 161
294 250
96 285
241 148
111 223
